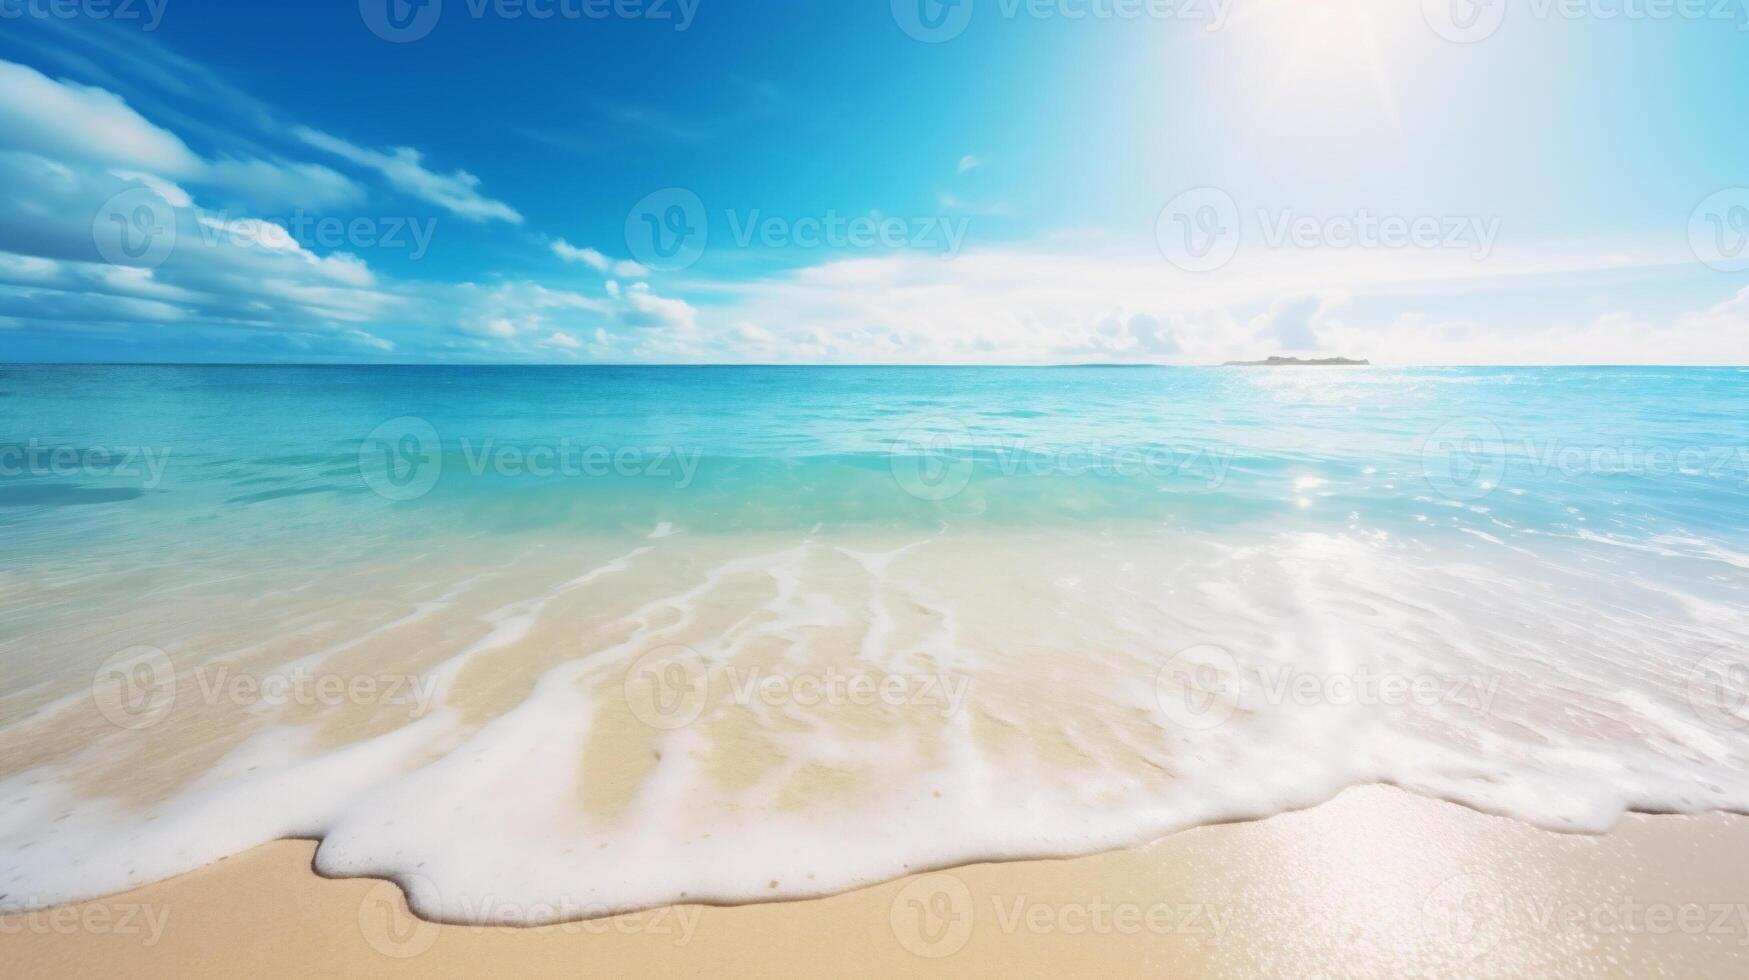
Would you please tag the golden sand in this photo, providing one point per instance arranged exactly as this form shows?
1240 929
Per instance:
1377 882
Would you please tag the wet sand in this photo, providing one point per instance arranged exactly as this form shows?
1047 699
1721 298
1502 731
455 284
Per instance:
1377 882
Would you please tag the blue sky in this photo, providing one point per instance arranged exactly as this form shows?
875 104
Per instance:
1176 181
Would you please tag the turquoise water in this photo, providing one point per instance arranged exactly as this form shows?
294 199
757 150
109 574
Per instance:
1113 603
258 450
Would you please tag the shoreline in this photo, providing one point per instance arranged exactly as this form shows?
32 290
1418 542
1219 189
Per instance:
1377 881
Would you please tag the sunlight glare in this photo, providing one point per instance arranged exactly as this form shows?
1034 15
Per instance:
1323 45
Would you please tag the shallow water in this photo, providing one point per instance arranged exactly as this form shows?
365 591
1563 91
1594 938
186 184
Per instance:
543 643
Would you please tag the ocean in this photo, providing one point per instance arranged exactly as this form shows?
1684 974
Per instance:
548 643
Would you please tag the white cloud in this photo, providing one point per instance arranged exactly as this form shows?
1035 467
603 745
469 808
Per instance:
250 232
67 151
1716 334
641 308
595 260
370 340
506 315
172 194
1079 300
280 184
1290 324
244 273
404 168
83 308
969 163
80 124
73 122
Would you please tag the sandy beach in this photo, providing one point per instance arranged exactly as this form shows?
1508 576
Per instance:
1377 882
1062 488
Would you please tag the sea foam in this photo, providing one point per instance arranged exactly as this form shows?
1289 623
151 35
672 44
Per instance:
753 718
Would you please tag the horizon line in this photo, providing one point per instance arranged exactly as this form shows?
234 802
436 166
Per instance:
833 364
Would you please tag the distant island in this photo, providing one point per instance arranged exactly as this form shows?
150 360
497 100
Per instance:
1301 362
